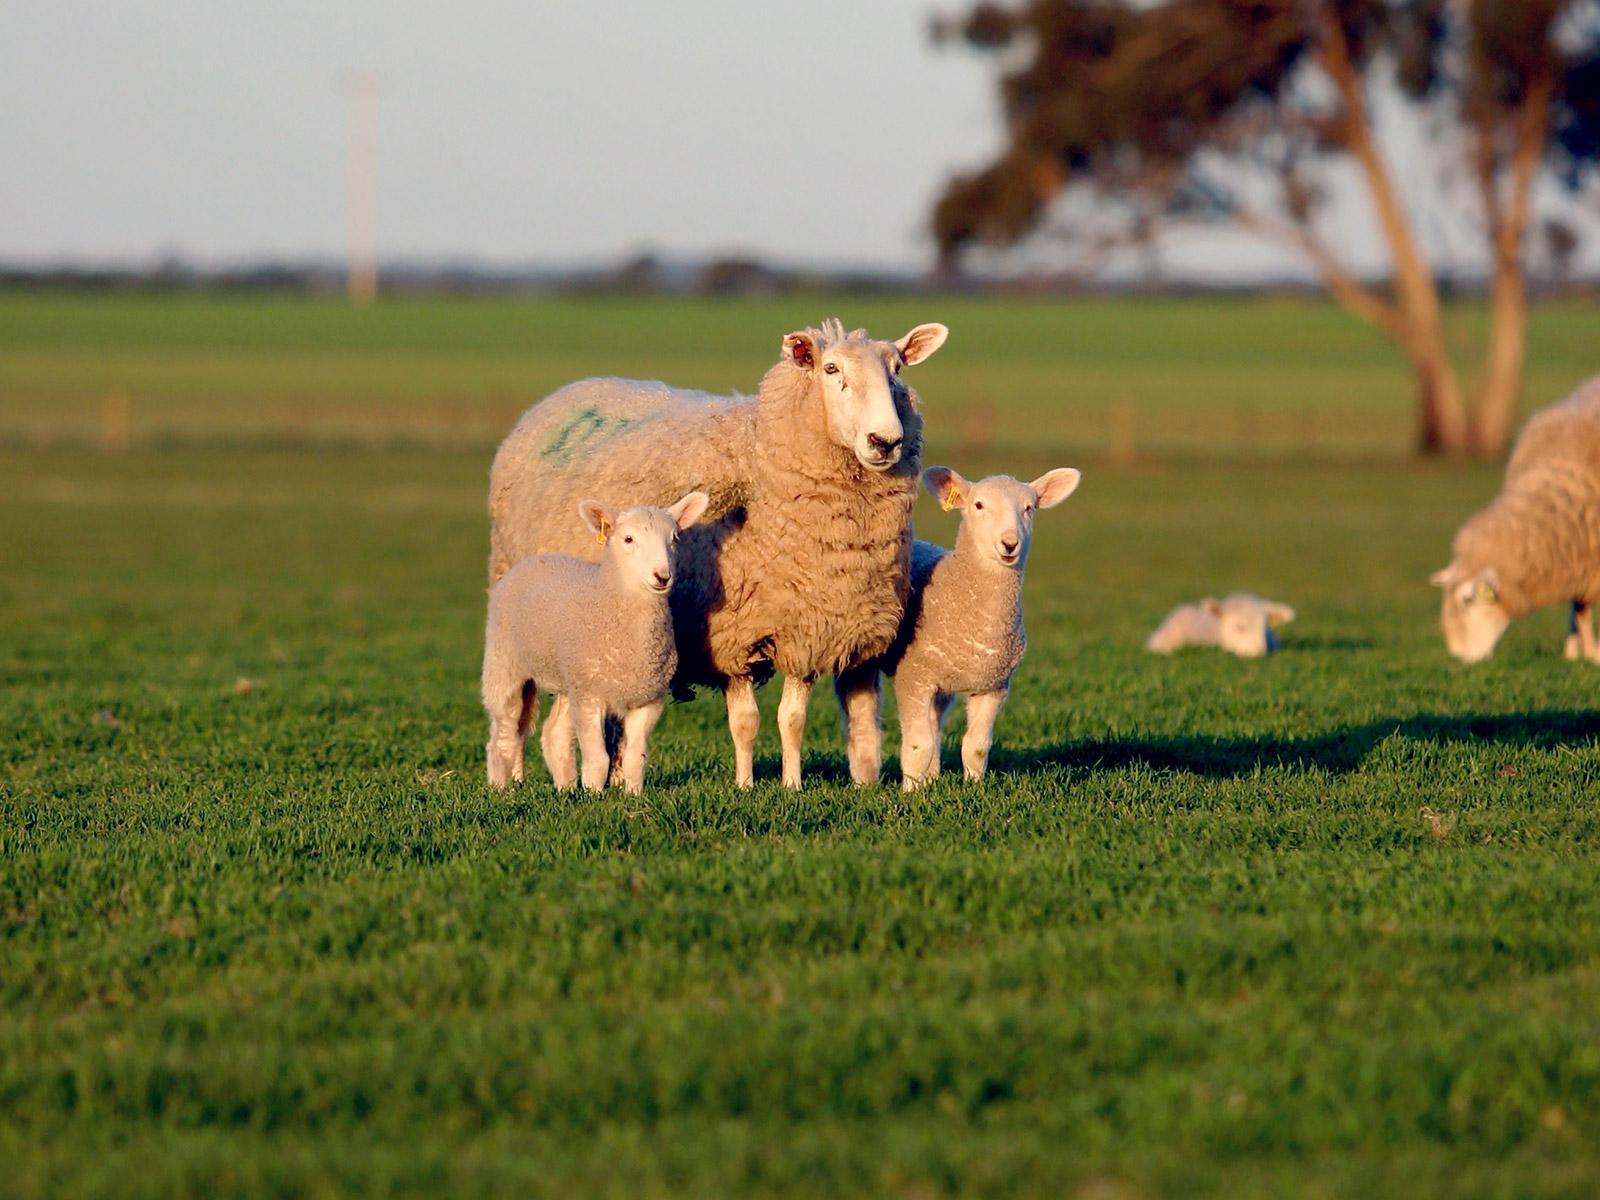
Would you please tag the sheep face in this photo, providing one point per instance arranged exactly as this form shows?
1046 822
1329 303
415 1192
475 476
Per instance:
1470 612
642 543
861 393
997 513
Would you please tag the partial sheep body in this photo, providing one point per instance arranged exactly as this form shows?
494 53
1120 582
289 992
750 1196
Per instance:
1538 542
598 636
802 566
963 632
1241 624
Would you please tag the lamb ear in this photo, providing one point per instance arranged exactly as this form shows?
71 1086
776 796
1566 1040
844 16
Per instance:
1212 606
690 509
1443 577
1278 614
921 342
1055 486
947 487
598 518
801 348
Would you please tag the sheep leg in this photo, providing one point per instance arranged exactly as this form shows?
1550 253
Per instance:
589 716
942 703
556 742
636 728
744 722
1580 637
792 725
860 701
919 738
982 710
509 719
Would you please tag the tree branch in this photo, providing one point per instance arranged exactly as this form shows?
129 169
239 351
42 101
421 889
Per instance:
1361 300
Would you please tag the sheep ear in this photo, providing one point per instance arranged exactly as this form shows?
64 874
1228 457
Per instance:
690 509
1279 614
947 487
801 349
1443 577
921 342
1055 486
597 518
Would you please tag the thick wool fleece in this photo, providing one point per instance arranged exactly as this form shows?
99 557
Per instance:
576 628
1541 534
801 564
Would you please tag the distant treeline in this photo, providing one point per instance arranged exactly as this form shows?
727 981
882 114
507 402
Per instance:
649 275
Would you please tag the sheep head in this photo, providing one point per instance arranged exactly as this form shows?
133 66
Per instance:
997 513
1471 612
858 379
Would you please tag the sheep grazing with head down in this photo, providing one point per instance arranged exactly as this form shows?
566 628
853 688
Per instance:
1538 542
802 566
1241 624
597 635
963 633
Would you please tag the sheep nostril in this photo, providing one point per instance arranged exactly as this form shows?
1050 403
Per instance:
884 446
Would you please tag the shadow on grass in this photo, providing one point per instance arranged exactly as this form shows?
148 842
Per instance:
1338 752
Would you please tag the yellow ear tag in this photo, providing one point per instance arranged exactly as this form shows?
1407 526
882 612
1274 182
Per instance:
1486 592
603 532
950 499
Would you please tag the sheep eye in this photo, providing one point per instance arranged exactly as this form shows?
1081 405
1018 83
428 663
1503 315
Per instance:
978 505
629 539
831 368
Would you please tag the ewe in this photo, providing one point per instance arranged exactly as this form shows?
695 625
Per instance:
803 565
962 634
1241 624
1538 541
598 635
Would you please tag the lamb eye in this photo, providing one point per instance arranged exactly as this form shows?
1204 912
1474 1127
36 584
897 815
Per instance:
978 505
831 369
629 539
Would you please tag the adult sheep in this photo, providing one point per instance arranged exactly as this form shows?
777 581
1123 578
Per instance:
801 564
1538 542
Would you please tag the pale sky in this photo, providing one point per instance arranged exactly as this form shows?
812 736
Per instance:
510 132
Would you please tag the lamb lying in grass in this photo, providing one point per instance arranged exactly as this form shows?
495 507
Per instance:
598 635
1241 624
1538 542
962 634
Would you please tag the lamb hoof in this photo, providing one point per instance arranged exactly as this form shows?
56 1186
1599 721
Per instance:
1573 648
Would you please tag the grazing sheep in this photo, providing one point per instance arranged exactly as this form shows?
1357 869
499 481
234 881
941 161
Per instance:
1241 624
1538 542
803 565
598 635
962 634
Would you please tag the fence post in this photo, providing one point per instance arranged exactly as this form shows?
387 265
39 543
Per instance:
1123 449
115 420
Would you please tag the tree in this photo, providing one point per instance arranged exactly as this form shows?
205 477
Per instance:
1234 110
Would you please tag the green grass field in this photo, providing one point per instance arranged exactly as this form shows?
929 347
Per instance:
1322 925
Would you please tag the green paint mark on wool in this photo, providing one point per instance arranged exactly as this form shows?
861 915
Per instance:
579 431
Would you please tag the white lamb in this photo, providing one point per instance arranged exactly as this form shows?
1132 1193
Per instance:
963 633
1241 624
598 635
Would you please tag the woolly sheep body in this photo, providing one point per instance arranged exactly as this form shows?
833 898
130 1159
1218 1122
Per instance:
596 635
1538 542
801 566
1241 624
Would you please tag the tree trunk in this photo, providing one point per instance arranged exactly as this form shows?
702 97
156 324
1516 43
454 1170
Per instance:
1495 414
1502 378
1441 422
